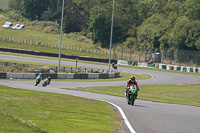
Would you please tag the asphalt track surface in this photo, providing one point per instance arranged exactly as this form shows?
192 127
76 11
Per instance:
145 116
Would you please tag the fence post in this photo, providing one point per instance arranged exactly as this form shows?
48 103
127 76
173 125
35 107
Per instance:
197 58
113 53
139 54
171 57
76 64
163 56
188 56
122 53
179 57
130 52
154 50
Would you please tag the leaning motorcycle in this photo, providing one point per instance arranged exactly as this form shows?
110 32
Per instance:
45 83
37 81
132 94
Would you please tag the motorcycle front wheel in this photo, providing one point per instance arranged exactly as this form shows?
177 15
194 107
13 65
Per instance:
132 100
36 83
128 101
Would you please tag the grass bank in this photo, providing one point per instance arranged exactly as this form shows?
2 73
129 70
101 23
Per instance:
39 112
186 94
4 4
52 50
67 39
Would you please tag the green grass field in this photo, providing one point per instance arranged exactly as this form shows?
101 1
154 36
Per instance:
45 37
188 94
4 4
24 111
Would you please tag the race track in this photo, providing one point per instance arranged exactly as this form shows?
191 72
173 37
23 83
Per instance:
145 116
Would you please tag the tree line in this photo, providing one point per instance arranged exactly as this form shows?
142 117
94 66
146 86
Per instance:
171 24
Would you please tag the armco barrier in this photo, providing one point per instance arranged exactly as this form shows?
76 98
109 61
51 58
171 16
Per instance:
164 66
184 68
65 76
161 66
111 75
142 64
151 65
60 75
133 63
103 76
190 69
117 75
196 70
56 55
178 68
170 67
2 75
80 76
52 75
93 76
21 75
122 62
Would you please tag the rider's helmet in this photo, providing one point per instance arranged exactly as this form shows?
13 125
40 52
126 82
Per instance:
40 74
132 78
49 77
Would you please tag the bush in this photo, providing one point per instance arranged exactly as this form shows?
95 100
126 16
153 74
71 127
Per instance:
45 69
46 26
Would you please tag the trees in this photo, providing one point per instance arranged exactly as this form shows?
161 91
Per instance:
16 5
151 31
34 9
151 23
192 9
100 30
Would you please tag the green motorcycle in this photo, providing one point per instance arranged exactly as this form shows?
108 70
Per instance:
46 82
132 94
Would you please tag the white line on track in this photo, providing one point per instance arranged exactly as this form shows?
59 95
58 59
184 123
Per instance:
143 74
124 117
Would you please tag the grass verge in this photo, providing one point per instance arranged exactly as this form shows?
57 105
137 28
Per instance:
186 94
38 112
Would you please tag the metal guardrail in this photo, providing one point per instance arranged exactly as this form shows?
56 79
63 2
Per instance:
60 75
2 75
